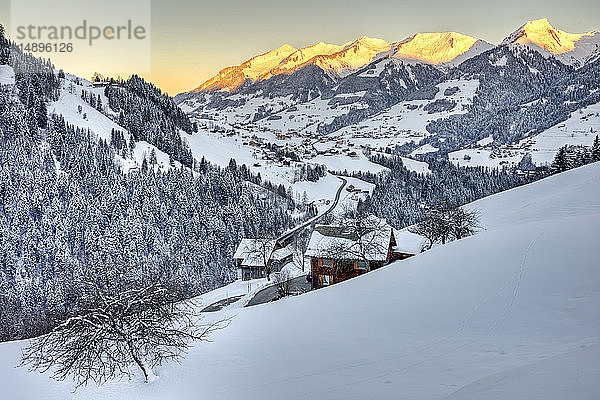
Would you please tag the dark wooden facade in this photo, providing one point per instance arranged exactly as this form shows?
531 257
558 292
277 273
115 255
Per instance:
246 272
326 271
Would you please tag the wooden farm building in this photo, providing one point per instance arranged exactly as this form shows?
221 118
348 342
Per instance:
252 253
337 253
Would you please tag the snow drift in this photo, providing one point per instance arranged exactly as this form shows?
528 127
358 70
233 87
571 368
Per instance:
513 312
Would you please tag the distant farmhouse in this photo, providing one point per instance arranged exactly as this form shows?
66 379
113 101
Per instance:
341 252
255 256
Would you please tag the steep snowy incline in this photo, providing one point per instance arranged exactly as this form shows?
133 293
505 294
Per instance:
98 123
569 48
519 299
448 48
231 78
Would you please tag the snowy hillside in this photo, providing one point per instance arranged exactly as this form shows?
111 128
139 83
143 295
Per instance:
7 75
570 48
579 129
512 312
99 123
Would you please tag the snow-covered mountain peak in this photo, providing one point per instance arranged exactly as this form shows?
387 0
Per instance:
438 47
367 42
300 57
570 48
353 56
231 78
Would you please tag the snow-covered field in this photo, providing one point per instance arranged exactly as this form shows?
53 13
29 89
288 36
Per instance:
426 148
580 129
420 167
350 164
7 75
406 121
513 312
220 149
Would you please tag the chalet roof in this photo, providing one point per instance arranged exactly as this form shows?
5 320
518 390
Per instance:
408 242
251 252
336 232
281 254
344 242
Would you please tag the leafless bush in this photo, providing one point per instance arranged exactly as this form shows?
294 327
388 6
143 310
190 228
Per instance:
145 327
444 225
283 282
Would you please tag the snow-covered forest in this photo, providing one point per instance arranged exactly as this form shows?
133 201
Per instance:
403 196
69 212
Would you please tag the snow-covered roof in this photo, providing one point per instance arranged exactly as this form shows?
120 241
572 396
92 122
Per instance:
343 242
252 251
408 242
281 254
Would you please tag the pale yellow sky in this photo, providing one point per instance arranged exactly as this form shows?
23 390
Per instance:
192 40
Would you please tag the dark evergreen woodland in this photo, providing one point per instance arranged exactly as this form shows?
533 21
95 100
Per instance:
69 214
402 197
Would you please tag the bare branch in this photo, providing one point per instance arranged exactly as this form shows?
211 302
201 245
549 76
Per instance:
145 327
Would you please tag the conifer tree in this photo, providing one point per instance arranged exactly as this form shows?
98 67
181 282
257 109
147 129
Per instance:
595 150
561 161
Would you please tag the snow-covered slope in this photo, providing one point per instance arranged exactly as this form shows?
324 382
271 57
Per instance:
7 75
579 129
569 48
231 78
300 57
505 314
98 122
446 48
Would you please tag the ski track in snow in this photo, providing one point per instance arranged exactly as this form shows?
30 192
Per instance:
517 284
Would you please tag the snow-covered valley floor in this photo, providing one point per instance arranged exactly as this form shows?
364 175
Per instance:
510 313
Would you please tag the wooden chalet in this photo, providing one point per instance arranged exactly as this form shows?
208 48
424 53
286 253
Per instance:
337 253
251 254
408 244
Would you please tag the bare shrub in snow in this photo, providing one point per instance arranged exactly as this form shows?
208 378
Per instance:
283 282
447 224
143 327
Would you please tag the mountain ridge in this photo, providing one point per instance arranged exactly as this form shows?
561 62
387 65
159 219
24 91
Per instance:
442 49
570 48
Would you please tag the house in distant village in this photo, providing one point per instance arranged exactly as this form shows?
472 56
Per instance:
253 256
340 252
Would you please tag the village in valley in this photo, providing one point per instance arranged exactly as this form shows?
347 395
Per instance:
310 165
311 257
